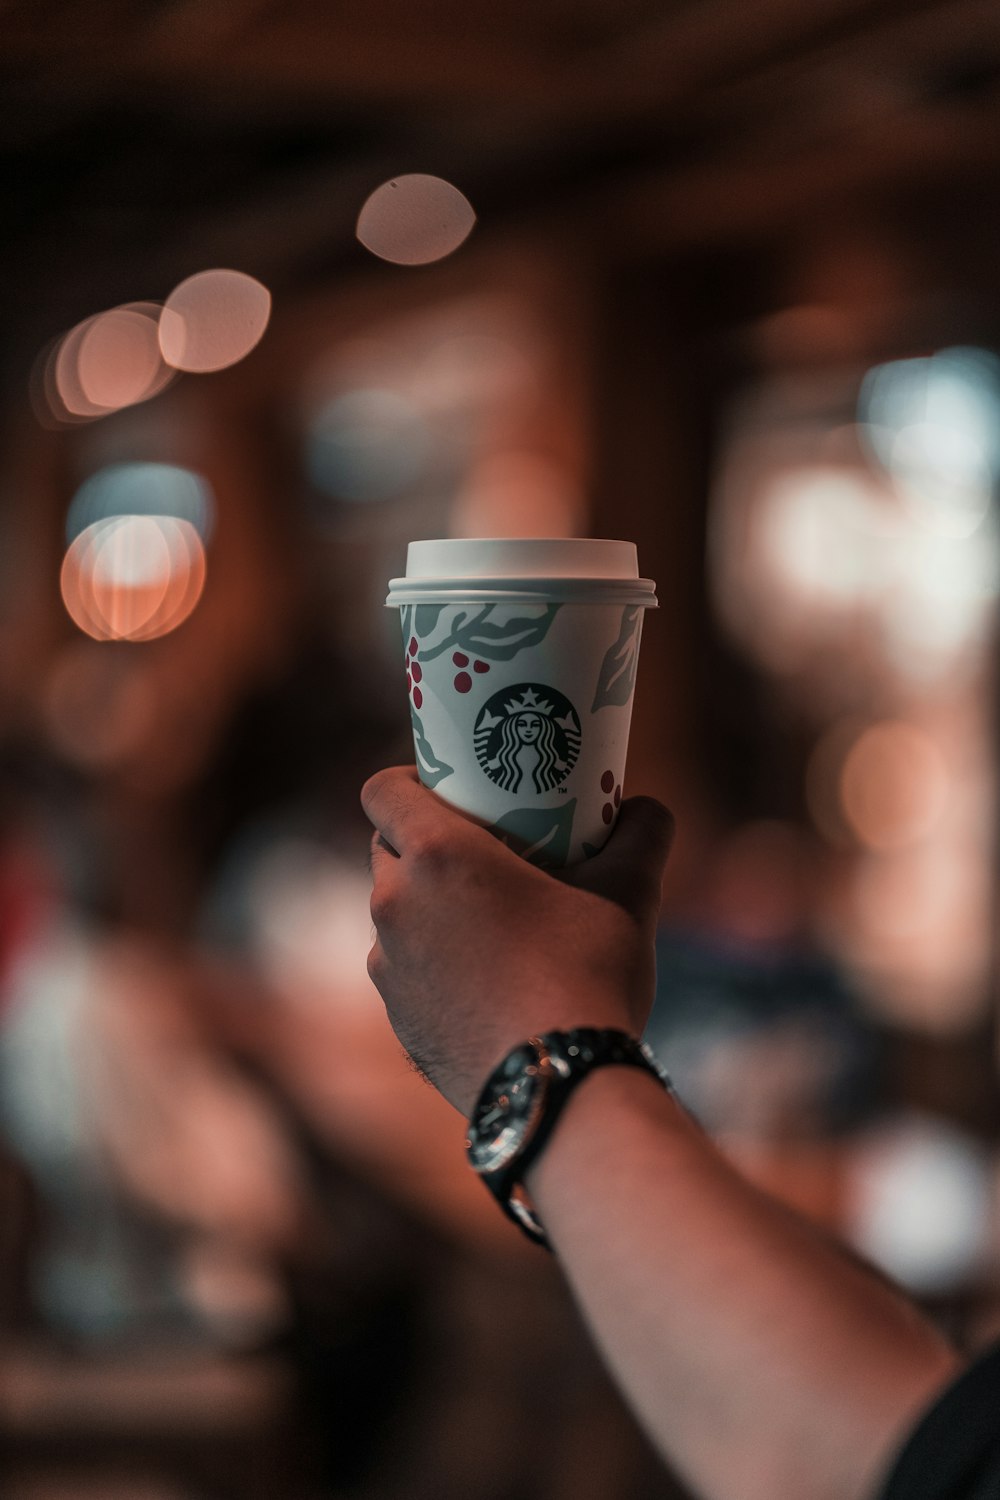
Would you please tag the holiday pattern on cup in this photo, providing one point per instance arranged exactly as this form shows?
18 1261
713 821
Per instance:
480 634
540 835
475 632
430 767
527 738
617 675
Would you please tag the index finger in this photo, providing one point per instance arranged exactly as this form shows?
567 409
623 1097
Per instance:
402 810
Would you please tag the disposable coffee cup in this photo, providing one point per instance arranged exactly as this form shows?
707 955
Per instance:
521 658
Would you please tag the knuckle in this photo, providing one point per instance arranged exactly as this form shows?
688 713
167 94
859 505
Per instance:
654 814
384 906
432 853
376 966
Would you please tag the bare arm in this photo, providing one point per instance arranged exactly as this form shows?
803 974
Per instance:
763 1361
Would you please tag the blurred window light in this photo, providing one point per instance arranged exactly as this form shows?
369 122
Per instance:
366 445
918 1203
133 577
938 598
213 320
808 546
820 524
944 476
415 219
918 928
934 426
515 493
142 489
894 785
308 922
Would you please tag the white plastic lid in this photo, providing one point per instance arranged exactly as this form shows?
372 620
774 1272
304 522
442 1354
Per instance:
535 569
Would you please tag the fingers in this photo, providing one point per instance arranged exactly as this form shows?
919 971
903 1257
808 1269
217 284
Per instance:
629 869
379 851
403 811
410 820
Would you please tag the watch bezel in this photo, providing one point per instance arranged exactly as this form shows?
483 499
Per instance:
489 1159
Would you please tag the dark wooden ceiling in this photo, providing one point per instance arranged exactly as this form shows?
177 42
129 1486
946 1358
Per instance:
141 140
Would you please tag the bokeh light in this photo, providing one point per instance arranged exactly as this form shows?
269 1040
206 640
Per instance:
366 445
118 359
917 1194
822 780
820 524
894 785
142 489
133 577
415 219
106 362
213 320
66 389
135 564
817 553
934 425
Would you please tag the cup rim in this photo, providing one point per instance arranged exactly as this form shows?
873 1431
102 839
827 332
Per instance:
636 591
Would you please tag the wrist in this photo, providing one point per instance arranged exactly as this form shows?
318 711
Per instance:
562 1014
525 1098
583 1137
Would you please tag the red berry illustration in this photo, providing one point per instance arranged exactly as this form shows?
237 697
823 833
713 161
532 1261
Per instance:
413 645
618 796
408 682
608 782
418 697
460 660
480 666
607 812
417 671
463 682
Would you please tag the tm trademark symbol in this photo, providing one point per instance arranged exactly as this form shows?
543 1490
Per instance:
562 791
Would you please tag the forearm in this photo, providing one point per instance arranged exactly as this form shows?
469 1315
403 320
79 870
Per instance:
762 1360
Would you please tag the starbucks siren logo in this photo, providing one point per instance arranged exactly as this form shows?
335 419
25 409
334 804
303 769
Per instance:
527 738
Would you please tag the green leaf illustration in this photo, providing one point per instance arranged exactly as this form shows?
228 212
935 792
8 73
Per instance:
590 850
426 618
406 621
491 640
617 677
430 769
540 835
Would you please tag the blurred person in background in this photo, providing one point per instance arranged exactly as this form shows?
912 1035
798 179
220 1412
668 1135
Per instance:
762 1359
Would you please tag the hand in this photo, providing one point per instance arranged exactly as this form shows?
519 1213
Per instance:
476 949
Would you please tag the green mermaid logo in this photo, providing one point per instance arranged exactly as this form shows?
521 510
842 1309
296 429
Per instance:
527 738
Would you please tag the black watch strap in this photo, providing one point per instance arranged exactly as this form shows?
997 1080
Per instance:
564 1059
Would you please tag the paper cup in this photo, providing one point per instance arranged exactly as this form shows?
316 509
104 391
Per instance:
520 665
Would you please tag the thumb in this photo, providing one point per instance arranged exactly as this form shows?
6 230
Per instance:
629 869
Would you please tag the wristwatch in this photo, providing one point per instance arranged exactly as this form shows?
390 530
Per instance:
522 1099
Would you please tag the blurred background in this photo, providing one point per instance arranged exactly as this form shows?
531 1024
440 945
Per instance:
282 287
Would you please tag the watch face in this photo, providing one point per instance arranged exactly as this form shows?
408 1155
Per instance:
507 1110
